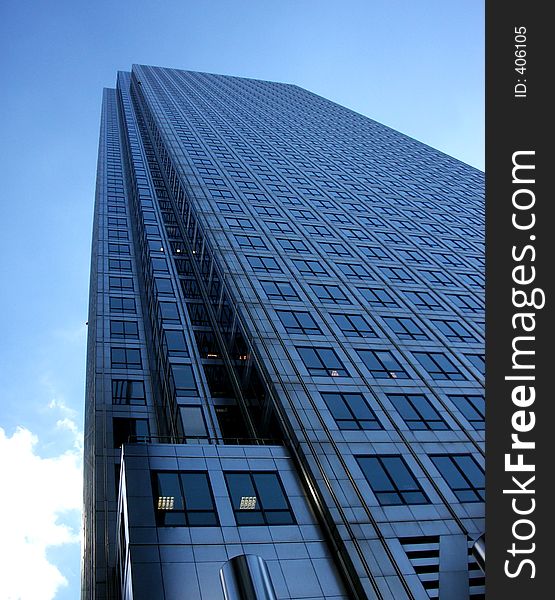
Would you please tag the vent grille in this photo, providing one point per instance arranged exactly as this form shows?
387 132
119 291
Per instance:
423 553
476 578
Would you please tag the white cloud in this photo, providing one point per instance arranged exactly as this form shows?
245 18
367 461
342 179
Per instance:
36 495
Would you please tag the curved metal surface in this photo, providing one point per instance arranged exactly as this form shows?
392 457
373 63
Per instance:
246 577
479 551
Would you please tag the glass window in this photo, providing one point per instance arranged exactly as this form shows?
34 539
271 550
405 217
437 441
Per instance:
130 431
192 419
163 286
126 358
453 330
116 264
249 241
120 330
293 245
477 361
382 364
463 474
377 297
472 407
354 270
169 312
264 264
118 248
417 412
124 305
175 341
466 303
421 299
439 367
121 283
279 290
354 325
117 234
391 480
309 267
330 293
405 328
159 264
322 362
184 499
184 380
350 411
127 391
258 499
238 222
335 248
298 322
396 274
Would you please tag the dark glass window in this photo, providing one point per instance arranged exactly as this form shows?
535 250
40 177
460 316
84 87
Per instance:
229 207
192 419
405 328
377 297
238 222
354 325
117 234
322 362
163 286
439 367
472 407
294 245
391 480
264 264
169 312
116 264
130 431
118 248
175 341
117 222
126 358
396 274
159 264
466 303
249 241
258 499
120 330
417 412
126 391
351 411
477 360
421 299
124 305
463 474
453 330
184 380
335 249
121 283
184 499
279 290
317 230
436 277
354 270
298 322
309 267
382 364
278 226
330 293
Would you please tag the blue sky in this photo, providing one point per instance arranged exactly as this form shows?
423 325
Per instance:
415 66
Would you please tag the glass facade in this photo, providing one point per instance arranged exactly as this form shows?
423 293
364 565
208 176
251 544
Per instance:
285 353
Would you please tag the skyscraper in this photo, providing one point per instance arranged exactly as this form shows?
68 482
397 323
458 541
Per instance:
285 360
